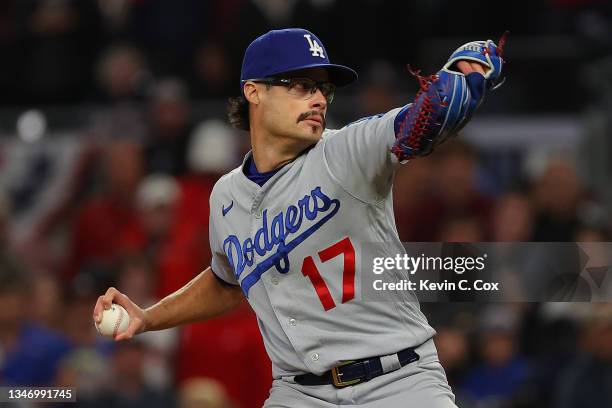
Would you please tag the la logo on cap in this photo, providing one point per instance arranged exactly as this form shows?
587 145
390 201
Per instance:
315 48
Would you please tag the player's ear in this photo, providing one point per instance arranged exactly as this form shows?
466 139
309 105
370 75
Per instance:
251 92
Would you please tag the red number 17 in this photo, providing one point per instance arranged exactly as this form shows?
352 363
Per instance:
310 270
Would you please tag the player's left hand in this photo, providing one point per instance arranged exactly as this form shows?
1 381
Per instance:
481 63
484 57
447 100
467 67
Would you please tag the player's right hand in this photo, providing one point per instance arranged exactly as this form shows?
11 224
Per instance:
137 315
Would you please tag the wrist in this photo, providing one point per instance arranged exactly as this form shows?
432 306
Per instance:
147 321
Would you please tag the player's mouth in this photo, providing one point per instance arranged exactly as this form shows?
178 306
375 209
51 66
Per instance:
315 121
312 119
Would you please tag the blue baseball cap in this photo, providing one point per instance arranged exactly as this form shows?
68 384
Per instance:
291 49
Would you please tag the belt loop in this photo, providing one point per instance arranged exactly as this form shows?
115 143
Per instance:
366 368
390 363
289 379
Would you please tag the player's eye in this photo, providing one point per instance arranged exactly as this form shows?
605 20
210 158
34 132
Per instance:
328 89
306 87
302 86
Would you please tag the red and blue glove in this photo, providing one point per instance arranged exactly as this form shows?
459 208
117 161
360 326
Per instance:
447 100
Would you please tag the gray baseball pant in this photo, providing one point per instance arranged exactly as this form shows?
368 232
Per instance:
421 384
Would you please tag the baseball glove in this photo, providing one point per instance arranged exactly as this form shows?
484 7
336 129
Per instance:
447 100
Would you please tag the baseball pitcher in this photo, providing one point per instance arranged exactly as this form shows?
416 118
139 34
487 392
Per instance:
288 225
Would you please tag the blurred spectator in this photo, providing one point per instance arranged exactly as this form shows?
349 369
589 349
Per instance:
587 382
122 74
558 195
58 40
168 31
213 151
212 76
453 194
412 185
278 13
503 371
379 91
87 371
203 393
94 243
115 14
461 230
137 280
176 248
170 127
512 219
157 197
452 345
29 354
123 82
47 302
128 387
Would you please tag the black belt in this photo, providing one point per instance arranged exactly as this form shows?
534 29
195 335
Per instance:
356 371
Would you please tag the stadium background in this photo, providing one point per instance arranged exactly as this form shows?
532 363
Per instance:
112 133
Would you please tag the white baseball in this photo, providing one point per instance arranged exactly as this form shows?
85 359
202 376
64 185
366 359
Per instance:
114 321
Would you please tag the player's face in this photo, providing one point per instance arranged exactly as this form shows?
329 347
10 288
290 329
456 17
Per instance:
293 111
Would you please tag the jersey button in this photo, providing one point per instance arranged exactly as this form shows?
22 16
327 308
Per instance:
292 322
315 357
275 280
258 214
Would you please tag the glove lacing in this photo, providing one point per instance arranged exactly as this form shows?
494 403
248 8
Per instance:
421 121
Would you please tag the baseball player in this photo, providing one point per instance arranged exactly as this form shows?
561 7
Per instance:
287 227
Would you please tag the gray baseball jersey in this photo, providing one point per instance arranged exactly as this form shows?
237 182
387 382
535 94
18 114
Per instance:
293 246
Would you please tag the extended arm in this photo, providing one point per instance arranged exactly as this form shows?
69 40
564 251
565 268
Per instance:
204 297
362 156
447 100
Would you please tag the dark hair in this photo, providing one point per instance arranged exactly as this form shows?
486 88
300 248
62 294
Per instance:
238 112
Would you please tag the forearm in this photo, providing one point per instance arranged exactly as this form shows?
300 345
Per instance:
204 297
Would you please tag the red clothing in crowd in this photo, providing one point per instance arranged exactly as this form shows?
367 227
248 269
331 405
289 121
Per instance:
184 251
230 350
95 231
424 221
176 258
195 198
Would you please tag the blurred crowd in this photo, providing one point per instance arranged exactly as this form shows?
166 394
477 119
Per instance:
511 355
75 51
121 199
